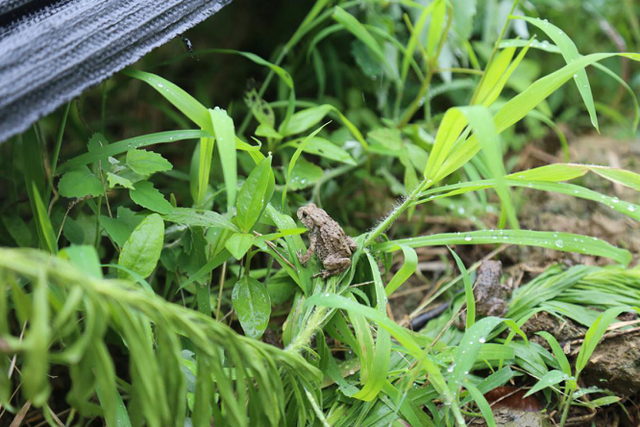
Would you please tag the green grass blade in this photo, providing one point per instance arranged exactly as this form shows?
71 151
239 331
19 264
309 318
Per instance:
177 96
566 242
127 144
570 53
43 222
351 24
295 157
595 333
557 351
408 268
468 290
549 380
226 138
481 402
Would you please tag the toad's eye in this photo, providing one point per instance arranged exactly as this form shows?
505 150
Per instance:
304 214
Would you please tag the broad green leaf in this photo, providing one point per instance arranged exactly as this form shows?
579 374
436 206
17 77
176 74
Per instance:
18 229
127 144
147 196
180 99
304 120
327 149
116 228
85 258
80 183
252 305
254 194
550 379
142 250
408 268
226 139
199 218
147 162
566 242
304 174
239 244
113 180
570 53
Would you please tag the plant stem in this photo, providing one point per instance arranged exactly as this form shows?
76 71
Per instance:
311 326
386 223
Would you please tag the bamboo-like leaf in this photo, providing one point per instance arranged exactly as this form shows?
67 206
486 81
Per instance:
44 223
408 268
295 157
595 333
351 24
226 138
481 402
468 290
550 379
570 53
177 96
557 351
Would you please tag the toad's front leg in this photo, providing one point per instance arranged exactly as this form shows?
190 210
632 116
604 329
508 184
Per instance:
334 264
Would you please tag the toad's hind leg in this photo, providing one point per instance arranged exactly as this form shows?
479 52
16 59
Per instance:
334 264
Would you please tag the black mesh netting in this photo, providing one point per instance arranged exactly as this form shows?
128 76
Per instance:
50 51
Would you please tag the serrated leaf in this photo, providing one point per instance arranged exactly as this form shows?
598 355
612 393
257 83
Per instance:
141 251
147 162
113 180
253 306
80 183
199 218
239 244
147 196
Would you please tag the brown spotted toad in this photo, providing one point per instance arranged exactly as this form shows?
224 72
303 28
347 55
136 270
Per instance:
327 240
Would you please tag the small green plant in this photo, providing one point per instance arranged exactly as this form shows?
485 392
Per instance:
157 287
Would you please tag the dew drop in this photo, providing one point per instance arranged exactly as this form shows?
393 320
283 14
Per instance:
468 238
482 340
559 243
631 208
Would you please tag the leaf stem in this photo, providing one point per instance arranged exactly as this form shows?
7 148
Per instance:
386 223
303 338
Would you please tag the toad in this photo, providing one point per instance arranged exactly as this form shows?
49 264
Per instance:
327 240
490 294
